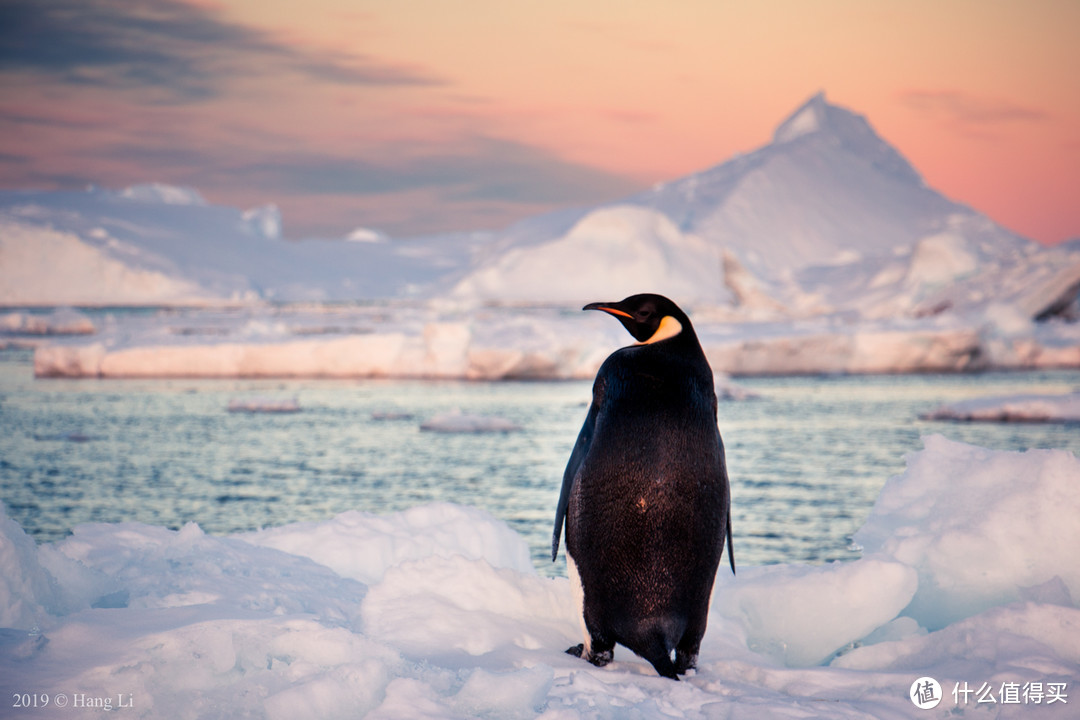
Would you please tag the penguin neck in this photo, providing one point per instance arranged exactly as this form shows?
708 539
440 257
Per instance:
669 328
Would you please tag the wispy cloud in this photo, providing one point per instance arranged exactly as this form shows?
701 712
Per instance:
182 52
971 110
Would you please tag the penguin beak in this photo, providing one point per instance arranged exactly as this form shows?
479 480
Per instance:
608 309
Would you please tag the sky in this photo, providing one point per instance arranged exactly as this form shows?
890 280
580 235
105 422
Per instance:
422 116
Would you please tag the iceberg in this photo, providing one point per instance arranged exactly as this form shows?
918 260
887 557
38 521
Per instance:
823 251
1011 408
500 343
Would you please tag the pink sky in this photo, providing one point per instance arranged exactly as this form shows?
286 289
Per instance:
414 116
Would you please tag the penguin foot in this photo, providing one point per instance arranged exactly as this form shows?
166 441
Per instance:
684 662
599 659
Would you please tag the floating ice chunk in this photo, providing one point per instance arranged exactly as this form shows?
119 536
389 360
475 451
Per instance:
388 415
264 405
456 421
1012 408
978 525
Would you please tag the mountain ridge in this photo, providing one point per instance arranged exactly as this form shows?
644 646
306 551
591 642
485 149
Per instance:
826 218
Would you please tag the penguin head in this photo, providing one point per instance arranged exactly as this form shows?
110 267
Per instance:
649 318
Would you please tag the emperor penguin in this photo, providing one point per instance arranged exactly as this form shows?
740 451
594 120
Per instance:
645 496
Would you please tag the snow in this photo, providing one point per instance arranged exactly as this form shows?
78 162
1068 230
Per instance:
441 530
967 576
1012 408
43 266
941 258
806 120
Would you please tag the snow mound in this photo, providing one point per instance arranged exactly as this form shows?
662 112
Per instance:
612 252
500 607
978 526
456 421
1013 408
43 266
438 529
939 259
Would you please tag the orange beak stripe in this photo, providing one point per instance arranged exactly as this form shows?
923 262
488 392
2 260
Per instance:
613 311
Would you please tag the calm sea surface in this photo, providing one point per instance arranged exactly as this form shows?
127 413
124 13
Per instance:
806 459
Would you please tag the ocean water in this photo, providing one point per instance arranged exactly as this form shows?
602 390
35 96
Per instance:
807 457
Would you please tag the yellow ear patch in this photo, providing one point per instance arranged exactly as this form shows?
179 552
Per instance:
669 328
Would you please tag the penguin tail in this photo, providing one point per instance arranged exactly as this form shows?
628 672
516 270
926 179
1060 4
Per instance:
656 648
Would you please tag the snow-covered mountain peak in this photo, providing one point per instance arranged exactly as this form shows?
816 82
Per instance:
807 119
850 131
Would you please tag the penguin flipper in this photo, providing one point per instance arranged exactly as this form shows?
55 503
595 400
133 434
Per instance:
730 547
581 449
727 500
